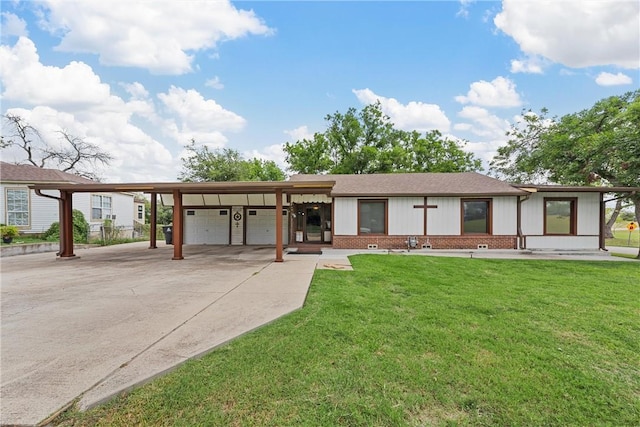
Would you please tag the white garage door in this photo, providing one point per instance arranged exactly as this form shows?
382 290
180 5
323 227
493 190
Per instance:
206 226
261 227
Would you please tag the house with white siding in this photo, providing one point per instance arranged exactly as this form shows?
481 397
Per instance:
21 206
382 211
451 211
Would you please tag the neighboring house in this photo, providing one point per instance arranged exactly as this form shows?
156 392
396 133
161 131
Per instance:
138 209
21 206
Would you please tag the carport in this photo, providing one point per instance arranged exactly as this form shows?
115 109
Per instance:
205 193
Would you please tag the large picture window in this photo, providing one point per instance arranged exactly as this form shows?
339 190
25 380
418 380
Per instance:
100 207
476 216
560 216
17 206
372 216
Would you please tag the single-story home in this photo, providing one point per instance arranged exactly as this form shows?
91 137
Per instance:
21 206
386 211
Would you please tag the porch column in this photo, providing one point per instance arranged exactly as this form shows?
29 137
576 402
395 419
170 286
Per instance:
279 225
153 219
66 225
177 225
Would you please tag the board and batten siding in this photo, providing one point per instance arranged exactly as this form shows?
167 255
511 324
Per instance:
345 212
588 222
445 219
505 216
404 219
588 213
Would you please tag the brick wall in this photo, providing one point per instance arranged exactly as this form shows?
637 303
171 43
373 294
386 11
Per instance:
437 242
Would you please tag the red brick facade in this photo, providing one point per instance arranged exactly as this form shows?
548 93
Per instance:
436 242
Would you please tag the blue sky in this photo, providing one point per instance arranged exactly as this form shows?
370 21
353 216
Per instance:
141 78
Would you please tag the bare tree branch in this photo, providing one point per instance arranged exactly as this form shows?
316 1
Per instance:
76 156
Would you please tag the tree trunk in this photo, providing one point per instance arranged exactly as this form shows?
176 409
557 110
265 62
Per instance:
608 234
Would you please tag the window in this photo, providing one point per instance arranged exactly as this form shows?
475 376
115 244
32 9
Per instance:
560 216
140 212
476 216
100 207
372 216
17 206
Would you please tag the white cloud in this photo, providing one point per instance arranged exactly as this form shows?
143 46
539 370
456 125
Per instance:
199 116
136 90
161 36
412 116
608 79
532 64
575 33
299 133
214 83
464 8
483 123
26 79
501 92
273 152
12 25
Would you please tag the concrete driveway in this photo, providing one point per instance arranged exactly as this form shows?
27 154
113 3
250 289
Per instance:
91 327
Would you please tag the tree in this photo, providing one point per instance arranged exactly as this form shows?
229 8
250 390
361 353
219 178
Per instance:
76 155
204 165
366 141
599 145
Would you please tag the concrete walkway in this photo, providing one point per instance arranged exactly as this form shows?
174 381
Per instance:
89 328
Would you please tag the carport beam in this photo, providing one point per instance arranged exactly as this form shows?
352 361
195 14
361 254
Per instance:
177 225
279 225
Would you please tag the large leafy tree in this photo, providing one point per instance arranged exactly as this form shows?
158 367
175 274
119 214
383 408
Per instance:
203 164
366 141
596 146
74 155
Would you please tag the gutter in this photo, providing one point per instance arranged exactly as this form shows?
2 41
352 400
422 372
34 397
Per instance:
522 240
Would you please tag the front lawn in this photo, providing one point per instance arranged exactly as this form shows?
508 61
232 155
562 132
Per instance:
624 238
420 341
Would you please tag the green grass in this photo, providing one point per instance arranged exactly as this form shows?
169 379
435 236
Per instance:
621 238
420 341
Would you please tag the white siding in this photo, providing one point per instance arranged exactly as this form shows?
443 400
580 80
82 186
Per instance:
122 208
588 223
505 216
563 242
345 221
445 219
588 213
404 219
44 212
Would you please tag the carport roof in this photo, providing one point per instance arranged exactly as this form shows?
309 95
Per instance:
237 187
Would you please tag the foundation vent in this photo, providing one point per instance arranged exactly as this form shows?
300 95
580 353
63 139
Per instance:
372 246
426 246
485 246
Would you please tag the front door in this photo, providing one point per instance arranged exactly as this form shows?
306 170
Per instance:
313 224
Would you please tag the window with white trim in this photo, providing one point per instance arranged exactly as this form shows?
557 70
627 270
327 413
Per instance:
100 207
17 206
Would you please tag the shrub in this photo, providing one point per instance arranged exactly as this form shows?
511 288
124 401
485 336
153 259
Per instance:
80 229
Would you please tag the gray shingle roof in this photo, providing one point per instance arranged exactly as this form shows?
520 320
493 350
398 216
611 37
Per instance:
10 172
464 184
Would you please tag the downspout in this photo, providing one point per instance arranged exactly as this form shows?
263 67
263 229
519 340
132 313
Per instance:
59 199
